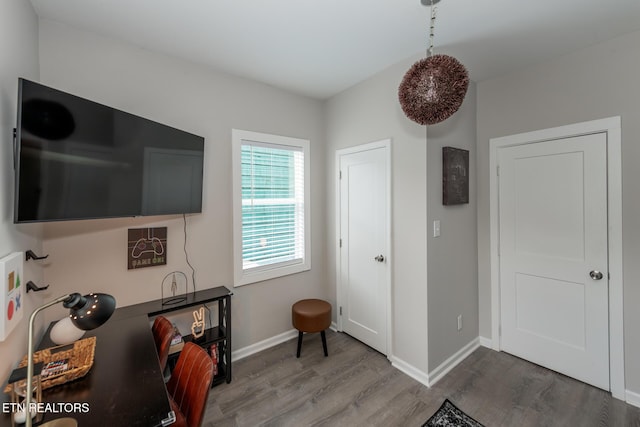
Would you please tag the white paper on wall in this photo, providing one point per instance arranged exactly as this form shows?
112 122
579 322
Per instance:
11 292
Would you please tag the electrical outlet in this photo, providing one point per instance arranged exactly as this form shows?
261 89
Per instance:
460 322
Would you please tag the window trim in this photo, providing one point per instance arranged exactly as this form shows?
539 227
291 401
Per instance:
240 276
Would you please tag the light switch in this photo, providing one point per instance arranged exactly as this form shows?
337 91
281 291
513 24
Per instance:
436 228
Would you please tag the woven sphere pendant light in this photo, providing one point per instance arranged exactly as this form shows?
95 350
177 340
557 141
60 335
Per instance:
434 87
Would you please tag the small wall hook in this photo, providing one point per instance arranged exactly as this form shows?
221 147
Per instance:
33 287
31 255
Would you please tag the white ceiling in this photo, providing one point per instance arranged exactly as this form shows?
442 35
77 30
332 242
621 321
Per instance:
321 47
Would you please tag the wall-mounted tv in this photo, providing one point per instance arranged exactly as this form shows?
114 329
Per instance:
78 159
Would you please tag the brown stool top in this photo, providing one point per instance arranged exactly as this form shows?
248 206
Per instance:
311 315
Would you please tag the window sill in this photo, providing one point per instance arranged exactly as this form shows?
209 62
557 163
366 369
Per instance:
247 278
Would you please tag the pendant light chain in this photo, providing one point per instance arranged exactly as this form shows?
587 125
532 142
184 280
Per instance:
434 9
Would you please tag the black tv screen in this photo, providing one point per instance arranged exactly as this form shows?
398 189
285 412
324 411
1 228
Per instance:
77 159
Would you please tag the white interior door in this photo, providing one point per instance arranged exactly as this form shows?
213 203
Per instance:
363 274
553 255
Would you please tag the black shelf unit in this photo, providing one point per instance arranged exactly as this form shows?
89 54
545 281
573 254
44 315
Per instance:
216 335
220 334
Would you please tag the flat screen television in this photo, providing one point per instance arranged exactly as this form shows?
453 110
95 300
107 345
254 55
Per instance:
78 159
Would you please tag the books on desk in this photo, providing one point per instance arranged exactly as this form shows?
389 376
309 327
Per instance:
176 342
54 368
176 348
215 356
177 339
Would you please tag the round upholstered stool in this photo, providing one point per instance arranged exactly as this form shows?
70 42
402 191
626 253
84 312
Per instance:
311 315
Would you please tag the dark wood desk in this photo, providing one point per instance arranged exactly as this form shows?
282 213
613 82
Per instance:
125 384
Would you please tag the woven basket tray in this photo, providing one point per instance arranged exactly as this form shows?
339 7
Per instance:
79 356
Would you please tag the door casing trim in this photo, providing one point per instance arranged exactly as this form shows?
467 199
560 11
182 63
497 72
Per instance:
384 143
612 127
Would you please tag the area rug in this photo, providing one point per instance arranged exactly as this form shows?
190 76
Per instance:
450 415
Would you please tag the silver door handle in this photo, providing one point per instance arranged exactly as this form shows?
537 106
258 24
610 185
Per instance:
379 258
595 275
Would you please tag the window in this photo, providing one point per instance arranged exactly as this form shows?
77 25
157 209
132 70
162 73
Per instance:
270 206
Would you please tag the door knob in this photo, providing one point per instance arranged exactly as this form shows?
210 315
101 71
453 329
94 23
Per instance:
379 258
595 275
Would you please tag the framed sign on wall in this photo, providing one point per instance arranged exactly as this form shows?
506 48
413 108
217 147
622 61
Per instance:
146 247
455 176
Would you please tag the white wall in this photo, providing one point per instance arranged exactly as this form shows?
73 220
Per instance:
18 58
593 83
91 255
368 112
452 257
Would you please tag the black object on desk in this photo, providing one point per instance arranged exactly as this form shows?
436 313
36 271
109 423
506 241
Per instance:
21 373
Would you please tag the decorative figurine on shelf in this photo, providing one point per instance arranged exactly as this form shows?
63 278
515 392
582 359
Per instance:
174 285
197 328
175 290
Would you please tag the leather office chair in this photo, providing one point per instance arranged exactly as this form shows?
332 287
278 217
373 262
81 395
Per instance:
189 385
162 334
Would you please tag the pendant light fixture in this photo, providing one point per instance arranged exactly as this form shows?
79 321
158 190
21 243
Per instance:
434 87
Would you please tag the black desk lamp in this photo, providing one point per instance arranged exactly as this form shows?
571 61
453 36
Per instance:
86 312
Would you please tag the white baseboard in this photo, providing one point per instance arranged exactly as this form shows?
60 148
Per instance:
410 370
632 398
241 353
486 342
446 366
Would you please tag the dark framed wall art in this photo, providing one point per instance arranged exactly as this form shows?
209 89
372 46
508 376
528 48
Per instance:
455 176
146 247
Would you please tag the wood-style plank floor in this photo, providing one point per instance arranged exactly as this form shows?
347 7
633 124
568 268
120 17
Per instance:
357 386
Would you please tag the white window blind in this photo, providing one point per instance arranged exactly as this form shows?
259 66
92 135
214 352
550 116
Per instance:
273 211
272 205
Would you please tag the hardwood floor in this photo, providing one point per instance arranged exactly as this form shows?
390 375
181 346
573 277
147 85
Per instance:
357 386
